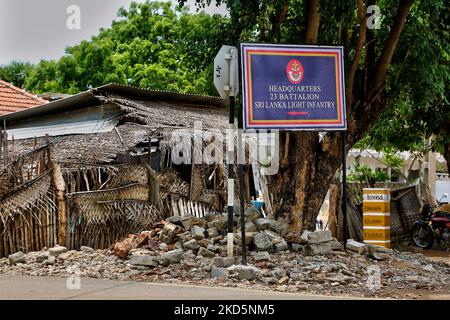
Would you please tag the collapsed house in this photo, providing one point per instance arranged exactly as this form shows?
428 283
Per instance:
91 168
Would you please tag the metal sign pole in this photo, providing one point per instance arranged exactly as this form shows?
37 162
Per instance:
230 177
344 185
241 152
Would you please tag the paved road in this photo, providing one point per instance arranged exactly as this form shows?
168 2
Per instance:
52 288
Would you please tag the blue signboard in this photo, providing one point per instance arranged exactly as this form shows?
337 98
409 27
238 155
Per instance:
293 87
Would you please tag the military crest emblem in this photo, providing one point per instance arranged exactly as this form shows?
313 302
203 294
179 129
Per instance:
294 71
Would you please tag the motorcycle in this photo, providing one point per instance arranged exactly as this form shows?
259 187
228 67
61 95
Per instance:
435 225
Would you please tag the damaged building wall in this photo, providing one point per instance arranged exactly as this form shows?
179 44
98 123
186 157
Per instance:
113 182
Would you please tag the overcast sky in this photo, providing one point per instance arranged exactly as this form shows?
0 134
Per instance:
31 30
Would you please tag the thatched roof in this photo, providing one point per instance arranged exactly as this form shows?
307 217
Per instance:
142 115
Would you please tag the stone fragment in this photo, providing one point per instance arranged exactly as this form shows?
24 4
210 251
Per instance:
274 237
41 257
312 249
51 260
284 280
304 236
191 245
269 280
336 245
186 221
251 214
262 256
245 273
297 247
218 262
86 249
281 227
171 257
212 232
376 252
248 238
320 236
219 273
206 253
122 248
189 254
198 232
294 237
228 261
57 250
148 261
219 222
263 223
356 246
168 232
213 248
262 242
282 246
249 227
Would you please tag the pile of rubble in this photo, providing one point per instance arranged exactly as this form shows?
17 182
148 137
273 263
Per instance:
191 250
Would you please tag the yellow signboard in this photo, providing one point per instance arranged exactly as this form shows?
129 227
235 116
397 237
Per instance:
377 216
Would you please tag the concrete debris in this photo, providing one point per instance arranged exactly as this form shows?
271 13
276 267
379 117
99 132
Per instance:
338 273
248 238
191 245
198 232
263 224
228 261
356 246
282 246
212 232
168 233
57 250
206 253
262 242
261 256
377 252
245 272
319 236
171 257
18 257
149 261
249 227
196 254
86 249
219 273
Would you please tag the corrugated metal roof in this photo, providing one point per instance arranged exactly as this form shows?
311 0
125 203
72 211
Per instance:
88 98
136 92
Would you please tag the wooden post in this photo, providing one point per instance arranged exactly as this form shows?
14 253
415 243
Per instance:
60 189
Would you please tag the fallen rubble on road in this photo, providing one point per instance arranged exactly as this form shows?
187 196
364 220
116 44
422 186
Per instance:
191 250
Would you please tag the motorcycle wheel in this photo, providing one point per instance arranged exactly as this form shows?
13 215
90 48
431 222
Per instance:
422 236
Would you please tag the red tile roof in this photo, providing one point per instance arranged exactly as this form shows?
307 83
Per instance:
13 99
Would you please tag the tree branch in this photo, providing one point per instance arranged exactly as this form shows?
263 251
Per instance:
391 43
313 22
359 46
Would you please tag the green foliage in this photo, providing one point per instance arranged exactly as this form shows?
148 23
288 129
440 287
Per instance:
16 72
365 174
418 84
151 44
